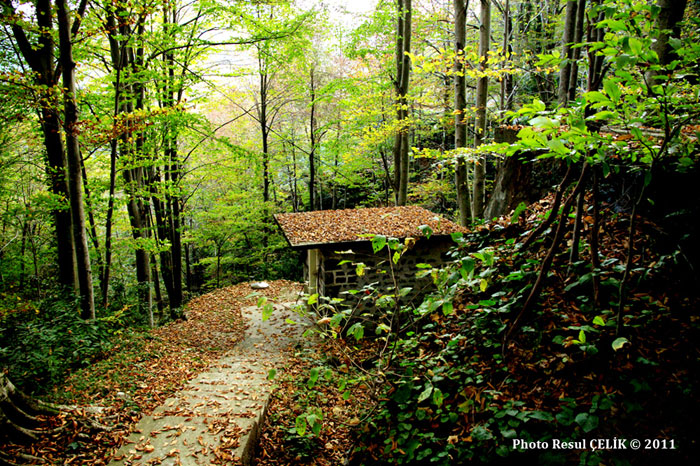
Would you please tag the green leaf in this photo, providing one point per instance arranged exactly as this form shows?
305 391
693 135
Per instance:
467 268
425 394
315 424
378 243
636 46
582 336
447 307
267 311
595 97
313 377
612 89
313 299
541 416
483 284
557 146
271 374
522 207
544 122
598 320
481 433
619 343
300 424
587 421
426 230
438 397
360 269
357 331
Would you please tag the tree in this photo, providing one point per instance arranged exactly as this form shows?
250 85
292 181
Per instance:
401 81
75 180
460 92
125 31
482 85
34 40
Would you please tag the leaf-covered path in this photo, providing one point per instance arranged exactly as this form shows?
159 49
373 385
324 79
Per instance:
215 418
185 393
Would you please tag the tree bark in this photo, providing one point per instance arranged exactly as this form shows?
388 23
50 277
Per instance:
460 96
105 274
75 180
481 98
401 81
567 52
127 62
666 23
312 139
507 78
576 53
40 59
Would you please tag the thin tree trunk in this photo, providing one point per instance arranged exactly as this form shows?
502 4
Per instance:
460 95
630 257
156 288
576 240
567 52
23 244
93 225
507 79
312 140
481 98
403 63
576 53
547 262
106 271
553 211
594 238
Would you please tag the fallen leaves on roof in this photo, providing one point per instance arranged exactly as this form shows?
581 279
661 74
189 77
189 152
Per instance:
338 226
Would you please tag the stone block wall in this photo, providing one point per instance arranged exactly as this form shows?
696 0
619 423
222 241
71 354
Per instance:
336 278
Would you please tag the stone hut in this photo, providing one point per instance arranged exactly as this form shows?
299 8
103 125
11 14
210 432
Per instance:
335 241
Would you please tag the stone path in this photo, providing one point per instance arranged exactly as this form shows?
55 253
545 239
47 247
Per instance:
215 418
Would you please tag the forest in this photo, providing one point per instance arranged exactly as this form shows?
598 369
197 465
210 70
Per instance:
146 147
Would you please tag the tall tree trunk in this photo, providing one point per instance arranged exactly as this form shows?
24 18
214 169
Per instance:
576 54
670 14
63 224
264 132
312 139
92 225
40 59
129 95
403 64
507 79
567 52
75 181
105 274
482 86
460 88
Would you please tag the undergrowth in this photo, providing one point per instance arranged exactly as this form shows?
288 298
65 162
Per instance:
457 393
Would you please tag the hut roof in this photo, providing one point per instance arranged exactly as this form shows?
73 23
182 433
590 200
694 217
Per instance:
308 229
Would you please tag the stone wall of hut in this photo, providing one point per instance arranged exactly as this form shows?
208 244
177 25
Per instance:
338 269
